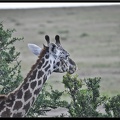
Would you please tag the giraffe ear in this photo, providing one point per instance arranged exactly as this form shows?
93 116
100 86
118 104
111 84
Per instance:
34 48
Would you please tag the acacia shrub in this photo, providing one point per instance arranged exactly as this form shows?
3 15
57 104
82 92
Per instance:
10 68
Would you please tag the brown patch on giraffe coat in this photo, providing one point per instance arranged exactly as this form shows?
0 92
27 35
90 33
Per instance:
27 95
39 82
45 64
10 100
6 113
18 105
58 63
33 76
36 92
33 84
2 105
40 74
20 94
49 72
43 60
47 56
47 67
27 106
44 79
33 99
40 64
17 114
26 86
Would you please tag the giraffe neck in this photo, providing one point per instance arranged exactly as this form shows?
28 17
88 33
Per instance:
18 103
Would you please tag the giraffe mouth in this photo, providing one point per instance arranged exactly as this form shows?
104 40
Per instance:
72 69
72 66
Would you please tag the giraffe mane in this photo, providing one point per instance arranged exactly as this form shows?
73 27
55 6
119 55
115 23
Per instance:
3 97
38 60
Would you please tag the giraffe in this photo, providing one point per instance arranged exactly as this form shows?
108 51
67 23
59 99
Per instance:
51 58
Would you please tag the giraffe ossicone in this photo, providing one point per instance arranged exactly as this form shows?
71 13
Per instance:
51 58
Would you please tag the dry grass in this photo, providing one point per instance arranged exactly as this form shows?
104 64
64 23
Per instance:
90 34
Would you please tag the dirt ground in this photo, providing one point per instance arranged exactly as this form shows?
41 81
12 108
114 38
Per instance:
90 34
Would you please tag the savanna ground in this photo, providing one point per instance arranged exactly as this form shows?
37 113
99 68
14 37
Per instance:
90 34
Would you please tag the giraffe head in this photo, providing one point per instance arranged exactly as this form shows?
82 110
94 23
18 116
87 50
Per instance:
61 61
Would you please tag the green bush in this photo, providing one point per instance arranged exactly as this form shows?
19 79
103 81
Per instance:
84 102
10 74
